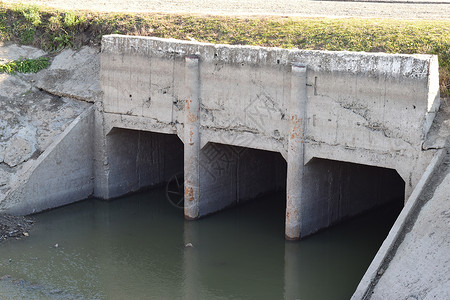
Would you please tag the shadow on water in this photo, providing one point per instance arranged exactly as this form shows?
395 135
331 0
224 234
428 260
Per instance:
135 247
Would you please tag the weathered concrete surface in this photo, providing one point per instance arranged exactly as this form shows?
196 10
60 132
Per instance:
439 133
388 247
73 74
229 175
420 234
414 260
420 268
14 52
357 101
368 109
372 110
31 125
352 116
62 174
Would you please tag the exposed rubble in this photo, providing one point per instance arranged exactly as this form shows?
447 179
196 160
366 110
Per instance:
33 114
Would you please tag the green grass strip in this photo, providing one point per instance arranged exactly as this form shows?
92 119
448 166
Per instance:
25 65
54 30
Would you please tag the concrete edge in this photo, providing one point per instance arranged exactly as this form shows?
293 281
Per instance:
433 99
48 151
108 44
66 131
412 66
367 281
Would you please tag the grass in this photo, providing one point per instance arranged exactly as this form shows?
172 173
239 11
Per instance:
53 30
25 65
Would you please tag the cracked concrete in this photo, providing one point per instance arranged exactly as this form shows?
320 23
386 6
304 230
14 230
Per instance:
413 261
31 118
73 74
438 137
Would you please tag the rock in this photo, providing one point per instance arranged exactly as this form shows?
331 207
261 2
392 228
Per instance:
13 86
5 277
73 74
18 151
13 226
14 52
4 176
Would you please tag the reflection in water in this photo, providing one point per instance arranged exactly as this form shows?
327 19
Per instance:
135 247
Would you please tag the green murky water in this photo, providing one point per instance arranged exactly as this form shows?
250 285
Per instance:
134 248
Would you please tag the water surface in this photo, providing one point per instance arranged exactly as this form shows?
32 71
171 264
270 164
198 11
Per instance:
134 248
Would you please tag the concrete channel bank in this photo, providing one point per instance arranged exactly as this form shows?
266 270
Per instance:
342 132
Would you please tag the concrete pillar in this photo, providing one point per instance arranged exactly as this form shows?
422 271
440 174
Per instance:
295 163
192 139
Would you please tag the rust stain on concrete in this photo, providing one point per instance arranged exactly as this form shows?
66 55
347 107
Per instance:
189 194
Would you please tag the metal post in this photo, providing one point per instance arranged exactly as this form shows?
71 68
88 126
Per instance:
295 163
192 138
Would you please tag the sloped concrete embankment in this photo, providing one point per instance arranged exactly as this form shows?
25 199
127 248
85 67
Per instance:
413 261
46 140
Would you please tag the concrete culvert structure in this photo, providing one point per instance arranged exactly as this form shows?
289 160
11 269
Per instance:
166 104
322 111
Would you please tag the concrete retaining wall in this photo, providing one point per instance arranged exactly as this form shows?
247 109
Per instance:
61 175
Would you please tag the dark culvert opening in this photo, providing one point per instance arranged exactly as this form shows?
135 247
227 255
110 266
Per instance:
231 175
259 173
140 160
339 190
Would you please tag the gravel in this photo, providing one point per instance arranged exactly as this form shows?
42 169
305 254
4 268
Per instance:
14 227
397 9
